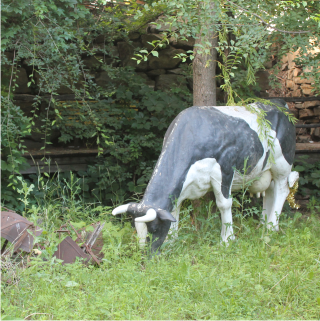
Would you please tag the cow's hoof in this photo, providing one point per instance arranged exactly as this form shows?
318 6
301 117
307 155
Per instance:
273 227
154 254
226 241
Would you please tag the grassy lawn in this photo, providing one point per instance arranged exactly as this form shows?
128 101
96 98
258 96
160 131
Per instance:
260 275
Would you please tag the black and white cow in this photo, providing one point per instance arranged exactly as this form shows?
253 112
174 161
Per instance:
201 150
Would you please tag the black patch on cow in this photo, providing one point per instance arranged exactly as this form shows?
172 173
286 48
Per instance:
285 130
138 210
198 133
266 159
159 230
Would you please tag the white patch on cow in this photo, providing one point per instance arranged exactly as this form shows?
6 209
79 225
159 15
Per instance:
203 176
240 112
260 184
198 179
293 177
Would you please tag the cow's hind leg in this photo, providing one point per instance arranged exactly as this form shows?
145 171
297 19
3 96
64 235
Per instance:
280 193
268 201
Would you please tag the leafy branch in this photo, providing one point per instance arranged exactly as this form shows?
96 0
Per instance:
265 22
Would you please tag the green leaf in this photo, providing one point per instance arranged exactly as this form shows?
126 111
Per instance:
78 225
90 228
155 53
266 239
8 317
3 165
70 284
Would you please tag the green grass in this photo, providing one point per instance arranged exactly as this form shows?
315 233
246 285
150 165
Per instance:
259 276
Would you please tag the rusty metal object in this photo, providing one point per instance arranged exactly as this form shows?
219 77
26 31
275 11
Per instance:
95 240
69 250
14 228
86 246
90 244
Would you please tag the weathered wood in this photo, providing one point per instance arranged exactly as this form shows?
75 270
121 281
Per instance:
307 125
59 159
51 161
308 148
65 160
55 168
296 99
62 152
25 97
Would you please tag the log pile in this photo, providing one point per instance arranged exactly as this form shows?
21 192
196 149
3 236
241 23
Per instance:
299 84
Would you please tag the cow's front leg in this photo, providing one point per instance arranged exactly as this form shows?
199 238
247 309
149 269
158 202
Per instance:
142 232
224 205
173 232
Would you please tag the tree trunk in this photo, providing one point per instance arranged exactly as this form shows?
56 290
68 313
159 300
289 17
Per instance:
204 70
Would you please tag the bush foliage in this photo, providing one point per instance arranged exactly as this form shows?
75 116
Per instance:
123 117
54 40
134 124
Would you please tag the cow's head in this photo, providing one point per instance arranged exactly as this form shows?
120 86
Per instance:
158 221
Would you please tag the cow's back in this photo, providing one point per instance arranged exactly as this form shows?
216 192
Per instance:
207 132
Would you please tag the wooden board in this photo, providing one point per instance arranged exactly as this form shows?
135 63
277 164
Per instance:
307 148
64 160
60 152
59 159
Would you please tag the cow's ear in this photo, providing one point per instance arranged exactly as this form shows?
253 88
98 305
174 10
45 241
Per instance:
165 216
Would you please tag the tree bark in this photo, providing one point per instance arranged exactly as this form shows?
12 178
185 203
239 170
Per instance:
204 70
